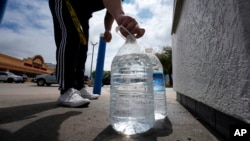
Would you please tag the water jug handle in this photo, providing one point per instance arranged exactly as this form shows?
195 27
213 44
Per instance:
117 29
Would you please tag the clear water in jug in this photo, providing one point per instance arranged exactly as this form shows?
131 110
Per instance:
132 98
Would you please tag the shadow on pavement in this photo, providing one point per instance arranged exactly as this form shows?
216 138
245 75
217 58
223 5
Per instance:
160 129
43 129
11 114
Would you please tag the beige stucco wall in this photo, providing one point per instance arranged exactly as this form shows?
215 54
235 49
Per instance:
211 54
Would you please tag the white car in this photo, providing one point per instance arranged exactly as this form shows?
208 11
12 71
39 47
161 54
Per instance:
10 77
45 79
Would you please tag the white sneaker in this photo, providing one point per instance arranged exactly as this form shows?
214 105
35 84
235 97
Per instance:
85 94
72 98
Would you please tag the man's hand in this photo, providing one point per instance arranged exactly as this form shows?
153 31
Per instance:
107 36
131 25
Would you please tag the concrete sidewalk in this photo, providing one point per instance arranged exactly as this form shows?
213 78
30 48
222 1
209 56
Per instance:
30 113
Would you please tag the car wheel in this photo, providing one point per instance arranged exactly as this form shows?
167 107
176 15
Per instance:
40 82
48 84
10 80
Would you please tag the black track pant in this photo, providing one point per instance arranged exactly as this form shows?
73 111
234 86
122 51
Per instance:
70 54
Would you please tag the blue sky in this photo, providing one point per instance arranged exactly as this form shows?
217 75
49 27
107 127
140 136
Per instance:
27 29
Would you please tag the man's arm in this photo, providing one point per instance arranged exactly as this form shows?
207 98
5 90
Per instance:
114 7
108 21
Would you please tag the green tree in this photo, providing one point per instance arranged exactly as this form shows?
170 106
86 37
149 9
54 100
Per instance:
166 60
105 73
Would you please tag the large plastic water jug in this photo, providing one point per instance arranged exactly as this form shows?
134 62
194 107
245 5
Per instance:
160 103
132 98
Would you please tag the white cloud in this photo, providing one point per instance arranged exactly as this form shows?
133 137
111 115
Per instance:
27 29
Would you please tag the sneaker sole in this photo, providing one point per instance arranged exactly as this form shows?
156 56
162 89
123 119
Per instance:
72 105
90 98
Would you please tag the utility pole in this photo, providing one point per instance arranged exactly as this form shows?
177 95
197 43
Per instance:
93 44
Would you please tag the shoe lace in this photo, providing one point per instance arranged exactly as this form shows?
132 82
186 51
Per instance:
76 91
88 93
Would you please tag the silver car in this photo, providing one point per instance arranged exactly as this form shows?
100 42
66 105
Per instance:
10 77
45 79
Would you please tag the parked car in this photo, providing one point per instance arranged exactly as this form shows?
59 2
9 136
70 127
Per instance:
10 77
25 77
106 80
45 79
48 79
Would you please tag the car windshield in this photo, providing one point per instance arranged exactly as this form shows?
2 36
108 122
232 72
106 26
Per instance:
10 73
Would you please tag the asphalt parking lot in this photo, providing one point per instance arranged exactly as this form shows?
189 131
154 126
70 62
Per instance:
29 112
